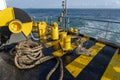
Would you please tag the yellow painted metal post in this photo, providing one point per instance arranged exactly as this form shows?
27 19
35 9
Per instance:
76 31
62 36
71 30
42 29
54 31
67 43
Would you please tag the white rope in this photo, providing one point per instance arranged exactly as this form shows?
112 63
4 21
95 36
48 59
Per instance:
29 54
81 50
34 38
53 70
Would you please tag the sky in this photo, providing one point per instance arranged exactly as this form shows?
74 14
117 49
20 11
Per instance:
70 3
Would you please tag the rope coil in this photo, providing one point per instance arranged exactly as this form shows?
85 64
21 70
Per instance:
29 54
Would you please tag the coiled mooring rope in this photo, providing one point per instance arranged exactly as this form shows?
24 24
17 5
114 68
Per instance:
29 54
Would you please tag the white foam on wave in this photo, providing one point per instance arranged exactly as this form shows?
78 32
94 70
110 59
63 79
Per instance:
87 30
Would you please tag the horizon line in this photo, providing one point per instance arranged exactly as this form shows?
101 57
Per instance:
70 8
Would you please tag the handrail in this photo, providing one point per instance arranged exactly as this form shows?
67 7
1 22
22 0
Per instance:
106 29
99 20
77 20
80 18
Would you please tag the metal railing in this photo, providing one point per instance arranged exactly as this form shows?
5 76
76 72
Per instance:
96 28
107 29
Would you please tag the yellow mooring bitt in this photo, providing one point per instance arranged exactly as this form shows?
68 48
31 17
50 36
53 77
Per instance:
42 29
62 36
65 41
54 31
62 44
73 30
54 37
76 31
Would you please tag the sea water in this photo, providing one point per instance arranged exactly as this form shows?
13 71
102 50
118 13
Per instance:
96 29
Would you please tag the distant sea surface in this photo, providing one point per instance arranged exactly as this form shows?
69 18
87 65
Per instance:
112 14
74 14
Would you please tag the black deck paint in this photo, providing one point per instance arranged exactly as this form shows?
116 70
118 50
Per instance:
98 65
93 71
50 64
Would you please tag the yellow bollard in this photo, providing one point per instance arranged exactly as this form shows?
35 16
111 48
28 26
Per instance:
62 36
67 43
71 30
54 31
42 29
76 31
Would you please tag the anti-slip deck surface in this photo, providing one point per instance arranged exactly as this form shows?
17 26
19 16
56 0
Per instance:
104 64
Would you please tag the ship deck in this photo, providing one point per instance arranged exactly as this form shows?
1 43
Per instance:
104 64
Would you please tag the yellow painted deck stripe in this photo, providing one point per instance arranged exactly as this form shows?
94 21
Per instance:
113 70
76 66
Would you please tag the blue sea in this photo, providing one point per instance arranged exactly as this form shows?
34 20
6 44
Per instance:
92 22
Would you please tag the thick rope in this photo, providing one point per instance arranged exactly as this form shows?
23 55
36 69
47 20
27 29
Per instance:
61 69
53 70
33 37
59 62
29 54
